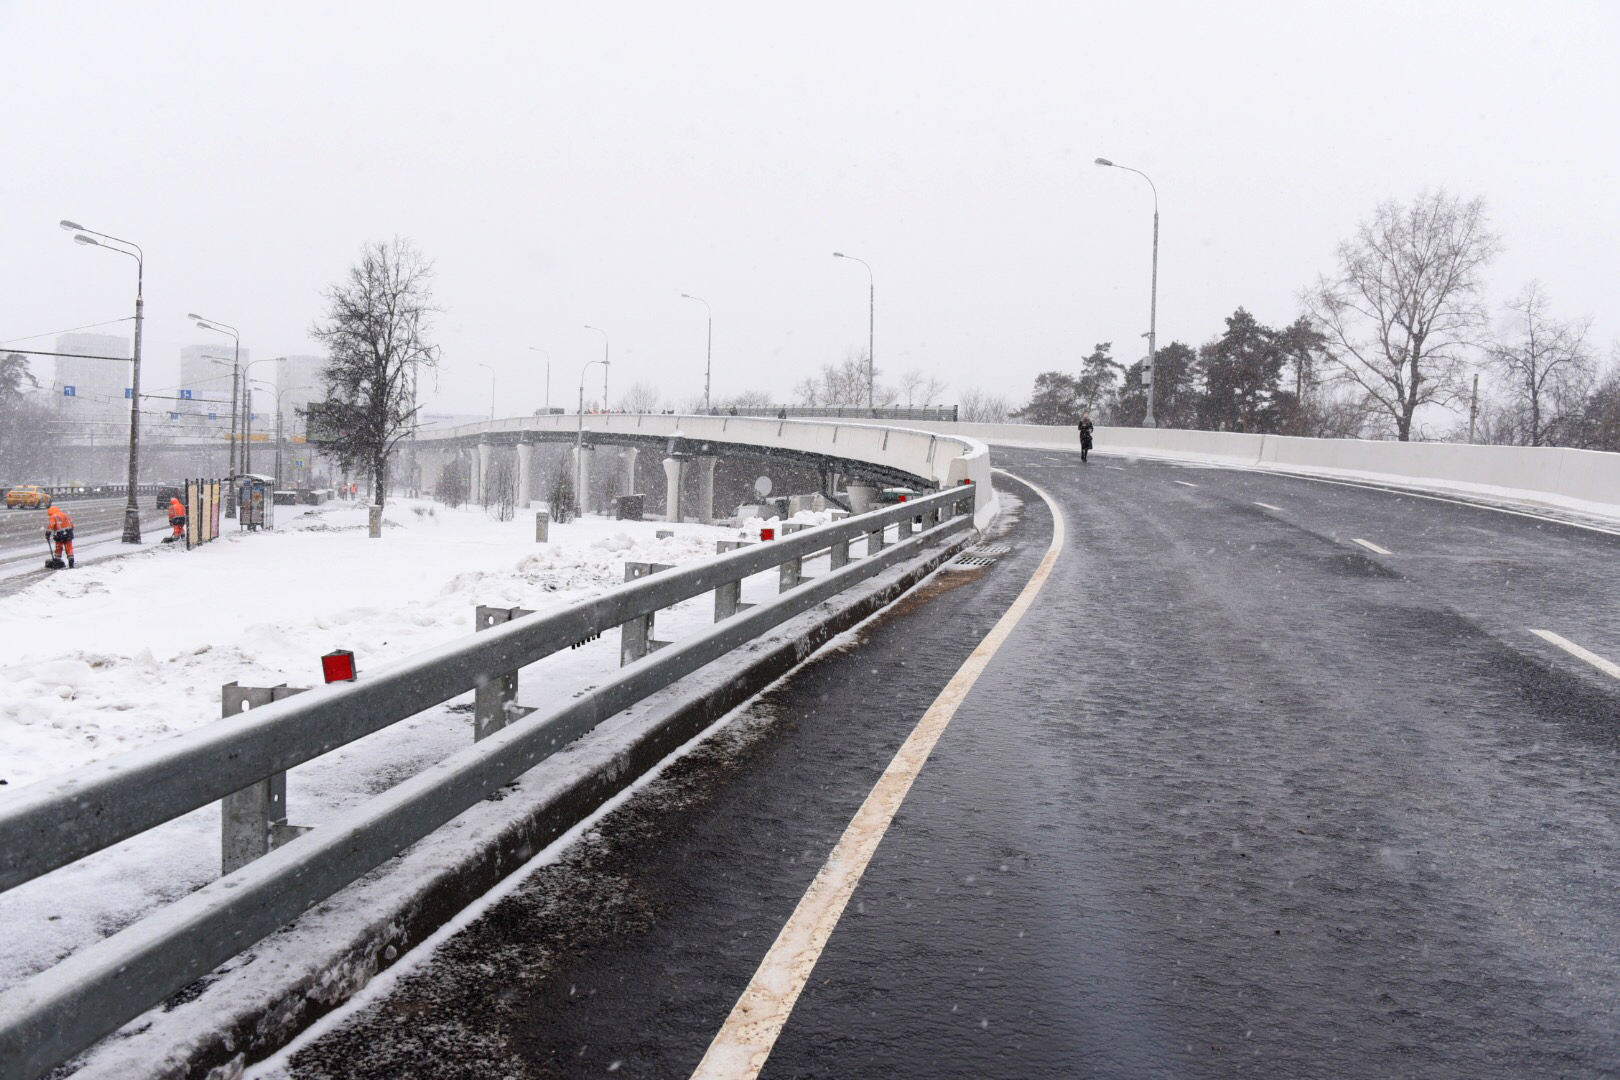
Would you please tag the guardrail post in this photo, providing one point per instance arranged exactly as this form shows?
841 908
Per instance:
728 594
792 573
636 635
874 541
839 554
253 821
495 702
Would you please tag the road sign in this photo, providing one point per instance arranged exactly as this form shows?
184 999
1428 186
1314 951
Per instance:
70 391
129 392
298 463
174 416
185 395
213 416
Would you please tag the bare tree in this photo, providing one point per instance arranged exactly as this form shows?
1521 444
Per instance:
641 397
982 407
842 384
1546 364
560 492
748 399
1404 308
500 488
920 389
376 332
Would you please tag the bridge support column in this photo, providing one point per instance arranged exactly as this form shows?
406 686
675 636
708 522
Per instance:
525 452
674 474
627 470
481 472
705 492
861 498
582 463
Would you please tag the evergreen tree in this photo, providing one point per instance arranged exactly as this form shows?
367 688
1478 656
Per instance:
1056 400
1242 378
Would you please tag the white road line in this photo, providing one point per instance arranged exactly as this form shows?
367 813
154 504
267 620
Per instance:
745 1040
1370 546
1116 468
1605 666
1183 483
1268 506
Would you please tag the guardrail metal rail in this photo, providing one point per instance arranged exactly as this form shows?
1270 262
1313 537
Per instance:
65 1009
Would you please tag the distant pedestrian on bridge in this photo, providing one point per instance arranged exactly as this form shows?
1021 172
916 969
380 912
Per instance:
1085 434
59 531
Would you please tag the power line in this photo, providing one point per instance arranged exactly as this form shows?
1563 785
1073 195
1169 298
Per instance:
87 326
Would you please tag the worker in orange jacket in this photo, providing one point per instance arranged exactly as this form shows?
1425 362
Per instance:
177 518
59 529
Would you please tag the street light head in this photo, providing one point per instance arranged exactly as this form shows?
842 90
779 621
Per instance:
1104 161
194 315
839 255
89 241
71 226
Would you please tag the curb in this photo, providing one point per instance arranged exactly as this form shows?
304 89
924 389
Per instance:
257 1003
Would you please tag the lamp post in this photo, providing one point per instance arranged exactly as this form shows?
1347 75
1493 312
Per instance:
599 330
132 512
247 411
236 378
279 439
1153 308
871 323
491 371
547 355
708 356
579 440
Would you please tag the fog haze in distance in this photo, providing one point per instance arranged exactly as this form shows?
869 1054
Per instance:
573 164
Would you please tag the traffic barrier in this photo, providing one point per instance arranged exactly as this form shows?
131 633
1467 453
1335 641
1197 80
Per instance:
54 1015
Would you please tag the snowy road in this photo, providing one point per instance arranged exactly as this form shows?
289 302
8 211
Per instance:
96 524
1242 794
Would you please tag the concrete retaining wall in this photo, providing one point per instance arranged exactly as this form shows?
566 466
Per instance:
1537 474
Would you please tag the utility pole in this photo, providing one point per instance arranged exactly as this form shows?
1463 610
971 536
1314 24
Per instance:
1473 410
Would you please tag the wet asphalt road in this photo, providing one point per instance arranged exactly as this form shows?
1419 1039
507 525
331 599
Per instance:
1238 797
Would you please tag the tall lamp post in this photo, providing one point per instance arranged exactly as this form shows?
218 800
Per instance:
236 377
1153 308
491 371
547 355
247 410
708 356
279 440
579 440
871 323
599 330
132 511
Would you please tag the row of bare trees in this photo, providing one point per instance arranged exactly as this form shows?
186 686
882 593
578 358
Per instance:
1393 338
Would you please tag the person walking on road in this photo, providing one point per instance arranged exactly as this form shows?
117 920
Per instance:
1085 434
177 519
59 531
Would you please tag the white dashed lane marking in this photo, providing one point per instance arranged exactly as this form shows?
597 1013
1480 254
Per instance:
1183 483
1608 667
1268 506
1370 546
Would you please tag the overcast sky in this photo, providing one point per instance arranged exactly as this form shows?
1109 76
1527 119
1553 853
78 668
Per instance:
589 162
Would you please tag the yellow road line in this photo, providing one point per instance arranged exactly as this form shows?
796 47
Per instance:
745 1040
1606 666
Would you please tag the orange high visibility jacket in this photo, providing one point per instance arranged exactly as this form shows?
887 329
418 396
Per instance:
177 509
57 518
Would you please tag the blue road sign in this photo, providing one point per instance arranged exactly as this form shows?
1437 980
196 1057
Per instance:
213 416
70 391
129 392
185 395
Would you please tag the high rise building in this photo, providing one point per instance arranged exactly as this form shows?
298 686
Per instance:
90 392
205 374
299 380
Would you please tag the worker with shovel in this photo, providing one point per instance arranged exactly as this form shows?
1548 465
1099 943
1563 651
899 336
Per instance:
59 537
177 519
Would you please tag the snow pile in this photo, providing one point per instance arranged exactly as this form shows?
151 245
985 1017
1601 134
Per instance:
125 652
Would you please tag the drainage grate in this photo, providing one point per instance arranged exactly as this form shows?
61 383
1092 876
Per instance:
982 554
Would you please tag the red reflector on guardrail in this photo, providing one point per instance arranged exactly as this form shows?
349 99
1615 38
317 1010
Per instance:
767 534
338 666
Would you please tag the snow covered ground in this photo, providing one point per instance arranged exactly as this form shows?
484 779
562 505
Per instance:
131 650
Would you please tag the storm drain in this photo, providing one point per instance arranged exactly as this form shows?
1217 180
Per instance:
982 554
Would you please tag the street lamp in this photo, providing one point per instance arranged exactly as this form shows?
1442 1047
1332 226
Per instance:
1153 309
547 355
279 439
871 322
708 361
247 411
579 440
236 378
132 512
491 371
599 330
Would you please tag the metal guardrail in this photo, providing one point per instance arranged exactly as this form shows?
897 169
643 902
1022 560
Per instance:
65 1009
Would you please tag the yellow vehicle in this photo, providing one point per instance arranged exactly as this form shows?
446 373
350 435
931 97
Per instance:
28 497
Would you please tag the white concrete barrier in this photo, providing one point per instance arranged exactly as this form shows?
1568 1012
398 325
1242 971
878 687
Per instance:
946 458
1577 479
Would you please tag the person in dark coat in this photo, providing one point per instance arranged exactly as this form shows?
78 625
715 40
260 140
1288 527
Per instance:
1085 434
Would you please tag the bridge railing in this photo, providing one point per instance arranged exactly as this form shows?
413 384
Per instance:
63 1010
